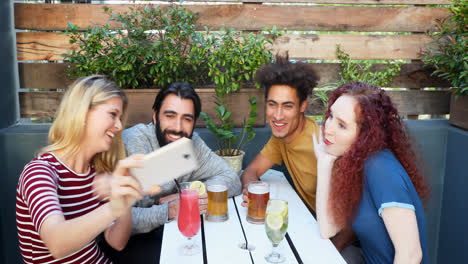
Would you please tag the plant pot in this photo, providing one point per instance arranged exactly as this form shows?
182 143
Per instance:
234 161
459 111
140 102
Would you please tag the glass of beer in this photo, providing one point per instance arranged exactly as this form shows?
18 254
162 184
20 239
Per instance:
217 202
259 194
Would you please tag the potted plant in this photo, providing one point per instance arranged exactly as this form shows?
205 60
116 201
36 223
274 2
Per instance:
233 63
448 55
150 46
144 48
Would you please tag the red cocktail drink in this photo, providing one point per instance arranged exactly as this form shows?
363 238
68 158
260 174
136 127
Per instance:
189 218
189 215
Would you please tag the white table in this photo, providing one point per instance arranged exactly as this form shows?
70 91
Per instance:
220 241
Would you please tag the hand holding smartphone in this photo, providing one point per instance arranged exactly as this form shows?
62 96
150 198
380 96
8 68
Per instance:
166 163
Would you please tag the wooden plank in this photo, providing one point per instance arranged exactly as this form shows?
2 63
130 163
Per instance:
50 46
51 75
230 237
141 101
42 46
459 111
43 75
413 102
302 227
247 17
172 240
416 75
39 104
411 75
44 104
322 46
408 102
356 2
256 237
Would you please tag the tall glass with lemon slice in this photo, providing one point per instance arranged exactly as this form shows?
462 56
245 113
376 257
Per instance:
189 216
276 225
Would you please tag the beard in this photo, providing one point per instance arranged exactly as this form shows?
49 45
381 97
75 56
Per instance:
161 135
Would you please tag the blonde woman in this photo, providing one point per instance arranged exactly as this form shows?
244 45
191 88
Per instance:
58 212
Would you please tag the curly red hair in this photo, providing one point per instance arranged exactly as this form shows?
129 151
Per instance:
379 127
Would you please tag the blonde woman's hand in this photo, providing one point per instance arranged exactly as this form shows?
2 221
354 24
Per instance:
102 185
124 188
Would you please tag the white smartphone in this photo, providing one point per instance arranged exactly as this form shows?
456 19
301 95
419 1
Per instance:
166 163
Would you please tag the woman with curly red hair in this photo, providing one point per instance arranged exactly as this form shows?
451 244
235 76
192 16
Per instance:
368 177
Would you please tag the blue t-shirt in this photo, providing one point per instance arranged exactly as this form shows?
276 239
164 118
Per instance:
386 185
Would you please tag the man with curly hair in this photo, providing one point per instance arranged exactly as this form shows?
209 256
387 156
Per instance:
287 86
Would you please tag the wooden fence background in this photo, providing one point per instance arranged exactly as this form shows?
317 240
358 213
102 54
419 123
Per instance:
39 41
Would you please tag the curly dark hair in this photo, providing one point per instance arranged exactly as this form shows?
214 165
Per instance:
380 127
299 76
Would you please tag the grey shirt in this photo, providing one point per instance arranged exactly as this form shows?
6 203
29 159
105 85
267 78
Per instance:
147 213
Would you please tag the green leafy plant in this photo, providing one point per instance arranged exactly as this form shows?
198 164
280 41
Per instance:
226 139
448 53
359 70
150 46
153 46
234 61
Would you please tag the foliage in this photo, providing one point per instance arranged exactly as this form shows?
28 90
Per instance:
226 138
359 70
322 94
154 46
235 60
448 53
236 57
151 46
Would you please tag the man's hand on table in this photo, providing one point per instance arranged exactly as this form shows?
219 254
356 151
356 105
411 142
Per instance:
173 206
246 179
252 173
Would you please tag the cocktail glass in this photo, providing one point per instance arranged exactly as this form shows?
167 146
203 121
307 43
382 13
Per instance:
276 225
189 218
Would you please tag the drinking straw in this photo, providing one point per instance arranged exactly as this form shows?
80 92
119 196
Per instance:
178 186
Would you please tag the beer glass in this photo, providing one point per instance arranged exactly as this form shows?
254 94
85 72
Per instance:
217 202
259 194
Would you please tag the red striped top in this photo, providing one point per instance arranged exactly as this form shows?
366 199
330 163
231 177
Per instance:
47 187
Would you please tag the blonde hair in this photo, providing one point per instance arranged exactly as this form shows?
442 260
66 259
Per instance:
68 128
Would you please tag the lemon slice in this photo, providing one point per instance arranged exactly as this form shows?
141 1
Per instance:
274 221
284 213
198 185
277 207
